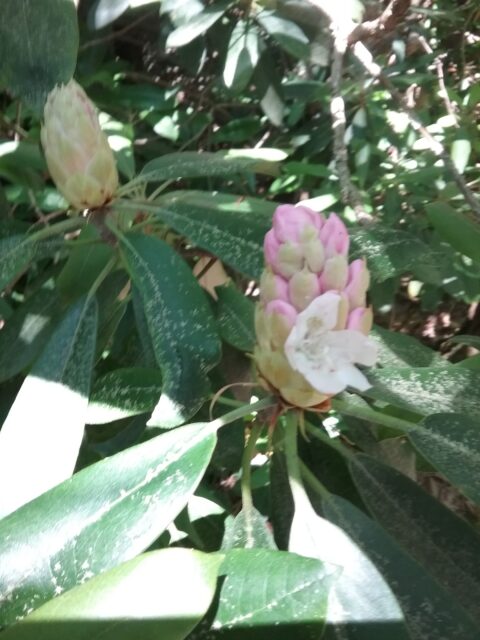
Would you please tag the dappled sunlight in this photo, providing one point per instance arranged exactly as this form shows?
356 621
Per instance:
38 448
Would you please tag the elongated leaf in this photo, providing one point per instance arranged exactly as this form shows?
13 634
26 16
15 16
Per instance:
390 252
230 227
268 594
123 393
244 50
181 326
27 331
248 530
15 254
451 442
399 350
352 612
162 594
104 12
446 546
84 264
38 46
470 341
455 228
191 164
429 390
198 24
285 32
40 439
430 613
106 514
235 318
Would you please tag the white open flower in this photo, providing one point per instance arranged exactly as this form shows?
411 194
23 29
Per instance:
325 356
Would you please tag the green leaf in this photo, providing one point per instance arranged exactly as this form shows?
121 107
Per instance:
243 54
198 24
106 514
288 35
231 227
40 439
430 613
462 233
104 12
191 164
162 594
247 530
84 264
180 322
351 608
470 341
446 546
26 332
399 350
428 390
123 393
235 318
38 46
451 443
268 593
15 254
390 252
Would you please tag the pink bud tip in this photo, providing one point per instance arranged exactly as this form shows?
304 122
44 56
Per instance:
334 236
282 308
358 283
289 222
271 247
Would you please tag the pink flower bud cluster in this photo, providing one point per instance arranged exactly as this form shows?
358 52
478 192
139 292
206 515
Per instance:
307 257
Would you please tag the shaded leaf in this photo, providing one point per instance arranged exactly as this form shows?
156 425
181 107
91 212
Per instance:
430 613
399 350
180 323
288 35
235 318
38 46
451 443
15 254
243 54
446 546
462 233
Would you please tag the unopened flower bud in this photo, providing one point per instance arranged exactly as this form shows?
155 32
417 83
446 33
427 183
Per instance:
334 236
334 274
358 283
360 319
303 288
78 156
273 287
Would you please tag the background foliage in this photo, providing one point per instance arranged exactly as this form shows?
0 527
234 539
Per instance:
217 111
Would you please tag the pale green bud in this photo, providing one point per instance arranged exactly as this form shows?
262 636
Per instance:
78 156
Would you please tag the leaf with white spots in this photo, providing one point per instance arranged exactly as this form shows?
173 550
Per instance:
15 254
268 593
235 317
446 546
230 227
451 442
248 530
106 514
123 393
162 594
41 437
390 252
181 326
428 390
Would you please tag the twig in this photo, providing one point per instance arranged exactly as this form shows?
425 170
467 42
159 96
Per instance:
333 11
350 194
115 34
387 21
443 93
